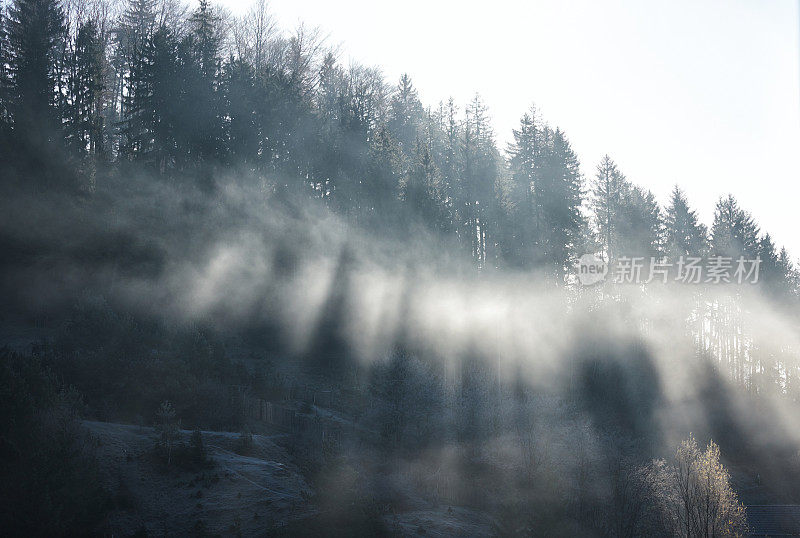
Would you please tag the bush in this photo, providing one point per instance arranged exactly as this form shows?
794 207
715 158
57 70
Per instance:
168 430
126 365
191 456
197 449
52 483
245 444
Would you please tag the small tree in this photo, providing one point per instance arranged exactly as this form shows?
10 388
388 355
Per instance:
197 448
696 494
245 444
167 428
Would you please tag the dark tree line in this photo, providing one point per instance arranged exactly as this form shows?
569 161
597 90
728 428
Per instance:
87 94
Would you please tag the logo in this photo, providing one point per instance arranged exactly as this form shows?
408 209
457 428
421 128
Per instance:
684 269
591 269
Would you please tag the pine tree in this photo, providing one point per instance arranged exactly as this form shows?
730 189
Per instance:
136 24
348 112
203 45
382 177
86 115
36 32
405 114
559 193
289 128
166 106
206 29
333 110
449 164
790 272
777 274
609 184
156 107
734 232
639 224
547 191
132 35
242 127
526 221
421 189
5 79
684 235
479 174
628 219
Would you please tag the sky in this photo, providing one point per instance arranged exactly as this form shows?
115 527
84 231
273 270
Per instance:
704 94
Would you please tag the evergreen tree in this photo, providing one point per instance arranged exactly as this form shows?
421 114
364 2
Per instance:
788 269
348 112
777 275
734 232
132 35
447 159
628 218
156 106
136 24
167 108
558 193
242 126
639 224
608 189
85 129
479 174
524 238
201 55
684 235
382 177
548 194
421 188
134 28
5 79
405 114
36 33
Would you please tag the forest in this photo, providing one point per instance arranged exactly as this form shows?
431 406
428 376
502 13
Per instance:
248 289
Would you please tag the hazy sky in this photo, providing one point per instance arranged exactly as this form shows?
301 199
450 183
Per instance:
701 93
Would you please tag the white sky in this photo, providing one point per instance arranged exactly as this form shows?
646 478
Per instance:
702 93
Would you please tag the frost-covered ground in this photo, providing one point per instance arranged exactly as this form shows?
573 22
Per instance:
239 494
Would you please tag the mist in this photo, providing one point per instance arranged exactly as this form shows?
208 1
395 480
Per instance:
541 377
248 290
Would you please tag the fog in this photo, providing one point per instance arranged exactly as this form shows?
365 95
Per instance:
250 290
550 378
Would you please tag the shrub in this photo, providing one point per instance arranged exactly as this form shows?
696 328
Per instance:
197 448
168 430
245 444
52 482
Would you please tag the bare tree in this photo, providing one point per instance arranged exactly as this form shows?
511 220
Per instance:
696 495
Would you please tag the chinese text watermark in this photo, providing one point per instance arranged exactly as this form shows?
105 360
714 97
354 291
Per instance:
684 269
